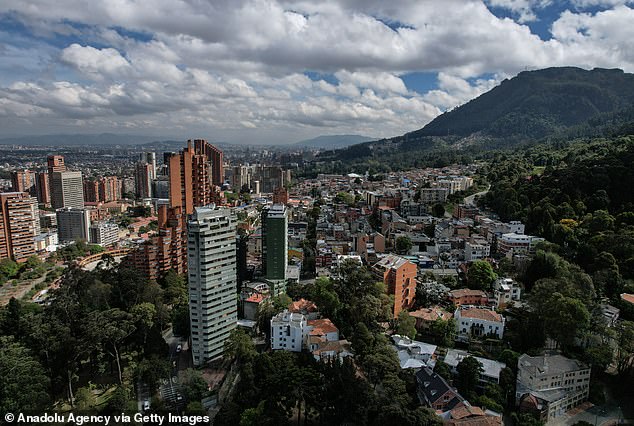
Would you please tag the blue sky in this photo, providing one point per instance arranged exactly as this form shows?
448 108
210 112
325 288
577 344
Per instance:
279 71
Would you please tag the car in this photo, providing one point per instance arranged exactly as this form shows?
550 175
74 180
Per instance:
179 348
146 405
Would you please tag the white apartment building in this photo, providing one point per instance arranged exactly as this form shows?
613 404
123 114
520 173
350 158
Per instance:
104 233
551 384
476 249
288 331
517 243
472 321
505 290
211 257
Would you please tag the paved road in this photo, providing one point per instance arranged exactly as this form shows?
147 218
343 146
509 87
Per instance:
471 198
170 388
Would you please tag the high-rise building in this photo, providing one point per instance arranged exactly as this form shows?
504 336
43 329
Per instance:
73 224
143 176
280 195
102 190
275 247
109 189
149 158
91 191
23 181
188 186
19 225
213 308
43 188
67 190
55 164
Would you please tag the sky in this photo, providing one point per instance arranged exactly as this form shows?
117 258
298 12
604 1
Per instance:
276 71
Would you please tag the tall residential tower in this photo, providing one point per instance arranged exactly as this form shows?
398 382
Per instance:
275 247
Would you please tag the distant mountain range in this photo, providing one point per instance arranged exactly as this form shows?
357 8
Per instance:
108 139
333 141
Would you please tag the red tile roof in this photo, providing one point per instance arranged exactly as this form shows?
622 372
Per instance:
431 314
321 327
302 305
482 314
256 298
628 297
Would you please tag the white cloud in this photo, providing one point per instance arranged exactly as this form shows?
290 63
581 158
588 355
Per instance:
240 64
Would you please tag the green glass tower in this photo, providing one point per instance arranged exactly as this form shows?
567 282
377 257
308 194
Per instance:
275 247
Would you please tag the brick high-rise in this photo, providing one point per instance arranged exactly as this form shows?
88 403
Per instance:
23 181
55 164
19 224
190 186
43 188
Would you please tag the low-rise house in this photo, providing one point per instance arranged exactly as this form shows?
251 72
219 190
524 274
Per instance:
326 351
434 392
469 415
513 243
425 317
472 321
304 307
491 369
465 296
549 385
414 354
476 249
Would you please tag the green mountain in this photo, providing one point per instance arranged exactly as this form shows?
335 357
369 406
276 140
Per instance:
535 104
553 105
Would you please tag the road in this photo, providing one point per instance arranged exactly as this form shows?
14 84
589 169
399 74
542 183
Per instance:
471 198
169 389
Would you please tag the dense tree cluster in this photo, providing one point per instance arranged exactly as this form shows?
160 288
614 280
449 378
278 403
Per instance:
103 324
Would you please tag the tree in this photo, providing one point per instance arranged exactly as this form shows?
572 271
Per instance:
240 346
406 325
109 329
443 370
23 380
403 244
180 321
438 210
564 318
194 387
480 275
85 399
469 370
8 268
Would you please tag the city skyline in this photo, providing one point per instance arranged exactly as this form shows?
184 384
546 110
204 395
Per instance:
335 68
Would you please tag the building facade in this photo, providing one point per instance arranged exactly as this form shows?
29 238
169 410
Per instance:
399 277
19 225
550 385
67 190
211 251
472 321
275 246
288 331
104 233
73 224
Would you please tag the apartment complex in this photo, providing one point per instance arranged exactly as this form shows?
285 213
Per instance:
275 247
24 181
189 186
73 224
104 233
19 225
399 277
550 385
211 253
